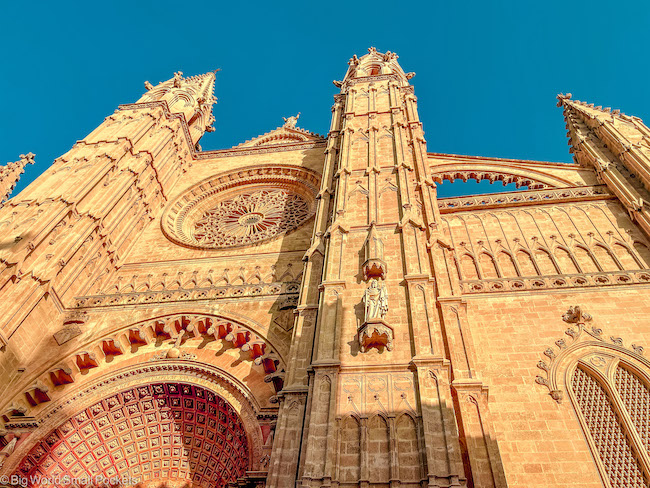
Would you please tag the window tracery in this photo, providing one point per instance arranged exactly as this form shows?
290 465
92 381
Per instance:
242 208
603 421
608 386
250 217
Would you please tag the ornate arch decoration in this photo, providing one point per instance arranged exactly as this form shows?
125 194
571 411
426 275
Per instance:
167 339
158 411
533 179
281 138
582 339
609 388
243 207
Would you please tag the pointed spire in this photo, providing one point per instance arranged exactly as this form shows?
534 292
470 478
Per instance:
10 174
599 136
192 96
617 146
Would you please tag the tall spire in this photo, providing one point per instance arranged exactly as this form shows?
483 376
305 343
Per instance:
10 174
193 97
617 146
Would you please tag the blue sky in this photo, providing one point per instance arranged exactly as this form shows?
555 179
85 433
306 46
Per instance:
487 71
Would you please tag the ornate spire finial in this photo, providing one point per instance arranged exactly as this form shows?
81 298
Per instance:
27 158
10 174
290 122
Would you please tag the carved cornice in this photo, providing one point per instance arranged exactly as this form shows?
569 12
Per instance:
193 294
244 151
531 197
558 282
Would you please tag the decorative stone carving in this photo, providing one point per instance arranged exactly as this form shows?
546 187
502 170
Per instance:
375 300
374 265
375 331
152 423
251 217
10 174
290 122
242 208
67 334
579 334
575 315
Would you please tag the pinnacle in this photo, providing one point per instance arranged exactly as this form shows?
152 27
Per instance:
588 109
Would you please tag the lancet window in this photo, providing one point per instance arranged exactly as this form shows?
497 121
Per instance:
613 404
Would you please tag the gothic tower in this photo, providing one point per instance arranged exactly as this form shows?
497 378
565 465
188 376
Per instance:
305 311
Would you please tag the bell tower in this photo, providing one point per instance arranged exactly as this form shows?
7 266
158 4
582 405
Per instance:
76 222
379 394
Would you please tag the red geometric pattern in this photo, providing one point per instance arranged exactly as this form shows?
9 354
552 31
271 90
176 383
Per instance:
158 432
636 398
604 424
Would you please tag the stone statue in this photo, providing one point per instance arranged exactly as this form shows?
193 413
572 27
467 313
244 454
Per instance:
375 300
178 78
290 122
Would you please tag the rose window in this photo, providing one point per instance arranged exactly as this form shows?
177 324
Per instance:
251 217
242 208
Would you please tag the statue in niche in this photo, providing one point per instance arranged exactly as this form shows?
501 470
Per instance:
290 122
375 300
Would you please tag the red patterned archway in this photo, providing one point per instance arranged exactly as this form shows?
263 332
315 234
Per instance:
165 434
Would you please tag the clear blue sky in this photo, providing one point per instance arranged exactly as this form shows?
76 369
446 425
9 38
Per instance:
487 71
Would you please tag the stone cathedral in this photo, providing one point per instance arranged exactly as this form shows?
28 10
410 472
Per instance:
303 311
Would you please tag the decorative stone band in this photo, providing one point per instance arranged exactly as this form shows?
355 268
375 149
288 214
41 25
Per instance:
183 332
194 294
532 197
557 281
244 151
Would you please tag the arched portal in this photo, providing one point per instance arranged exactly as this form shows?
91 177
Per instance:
159 434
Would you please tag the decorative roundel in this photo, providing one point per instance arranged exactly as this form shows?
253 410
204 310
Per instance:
164 434
242 208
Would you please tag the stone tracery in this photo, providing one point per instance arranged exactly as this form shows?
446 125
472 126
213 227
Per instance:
251 217
242 208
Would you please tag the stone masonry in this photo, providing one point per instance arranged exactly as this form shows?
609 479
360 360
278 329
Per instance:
304 311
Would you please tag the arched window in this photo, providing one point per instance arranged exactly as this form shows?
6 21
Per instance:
609 387
613 404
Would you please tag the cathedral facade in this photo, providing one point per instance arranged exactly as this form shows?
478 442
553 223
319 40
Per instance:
304 311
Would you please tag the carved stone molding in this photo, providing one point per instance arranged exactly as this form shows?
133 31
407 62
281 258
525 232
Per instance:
375 333
177 328
533 197
246 151
193 294
586 280
580 335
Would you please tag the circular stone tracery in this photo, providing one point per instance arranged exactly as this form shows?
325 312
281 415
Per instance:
251 217
160 434
242 208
